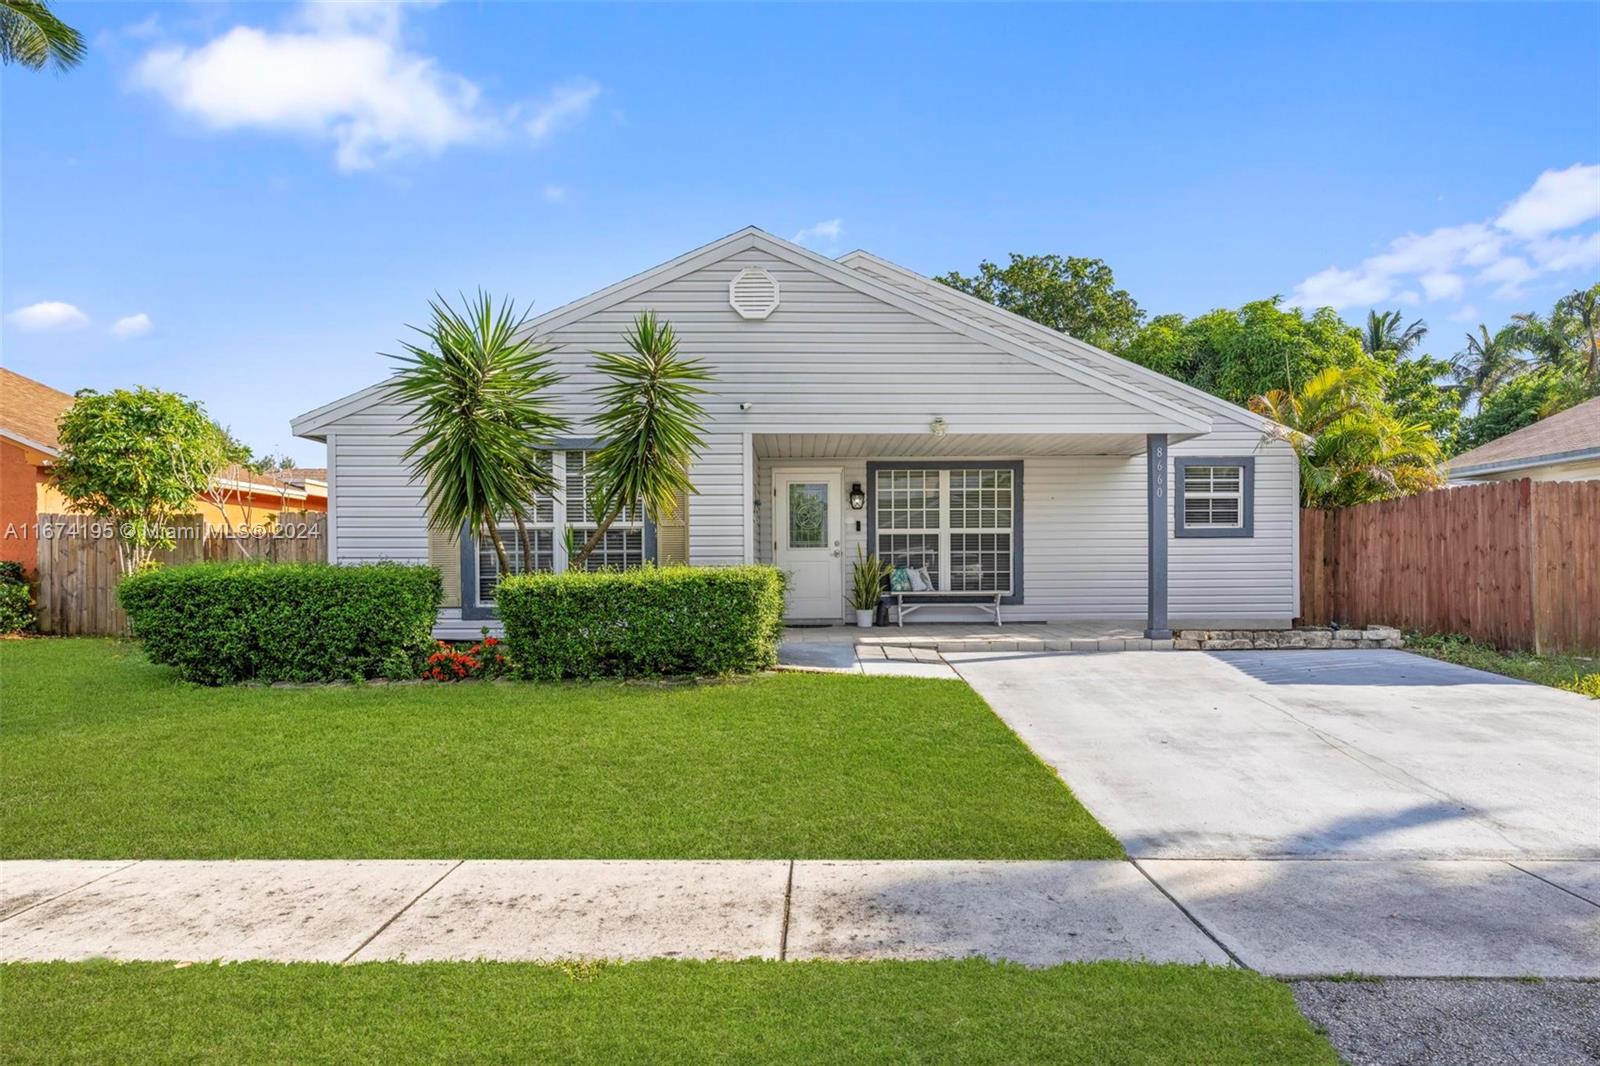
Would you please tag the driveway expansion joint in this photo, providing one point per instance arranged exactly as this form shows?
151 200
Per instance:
1187 913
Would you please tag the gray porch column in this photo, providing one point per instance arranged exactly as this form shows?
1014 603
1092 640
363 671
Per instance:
1155 481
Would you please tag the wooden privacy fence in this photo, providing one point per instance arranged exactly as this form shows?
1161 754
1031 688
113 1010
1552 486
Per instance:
79 568
1515 564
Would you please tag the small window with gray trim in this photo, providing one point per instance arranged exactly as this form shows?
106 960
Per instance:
1215 497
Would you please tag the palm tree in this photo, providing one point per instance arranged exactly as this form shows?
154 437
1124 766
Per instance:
31 35
1384 333
1488 361
650 423
479 390
1352 449
1582 308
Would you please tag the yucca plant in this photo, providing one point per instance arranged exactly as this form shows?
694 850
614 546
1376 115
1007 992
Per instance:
650 422
479 387
868 574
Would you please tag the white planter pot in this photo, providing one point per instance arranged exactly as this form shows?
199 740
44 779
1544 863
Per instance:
864 619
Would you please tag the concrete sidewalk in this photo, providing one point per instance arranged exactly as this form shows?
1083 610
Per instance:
1287 918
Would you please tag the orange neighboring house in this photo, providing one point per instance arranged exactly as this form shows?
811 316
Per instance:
29 445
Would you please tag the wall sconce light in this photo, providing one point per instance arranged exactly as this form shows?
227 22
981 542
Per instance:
937 427
858 499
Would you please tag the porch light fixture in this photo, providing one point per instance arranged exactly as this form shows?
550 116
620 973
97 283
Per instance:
858 498
937 427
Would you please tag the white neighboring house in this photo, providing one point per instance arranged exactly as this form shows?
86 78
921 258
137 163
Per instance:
1563 447
858 404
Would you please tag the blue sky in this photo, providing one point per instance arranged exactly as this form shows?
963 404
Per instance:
278 189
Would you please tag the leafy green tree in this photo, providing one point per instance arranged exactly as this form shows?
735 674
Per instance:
1352 449
1240 354
1412 388
1074 295
479 387
1385 332
650 424
138 457
1519 402
32 36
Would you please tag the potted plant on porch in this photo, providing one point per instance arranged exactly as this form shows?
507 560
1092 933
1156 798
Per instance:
869 575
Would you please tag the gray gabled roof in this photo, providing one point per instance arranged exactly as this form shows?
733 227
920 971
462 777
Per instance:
1564 436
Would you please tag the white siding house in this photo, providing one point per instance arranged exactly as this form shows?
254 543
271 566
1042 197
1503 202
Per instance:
1000 457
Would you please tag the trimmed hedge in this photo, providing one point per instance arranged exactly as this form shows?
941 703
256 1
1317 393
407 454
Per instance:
650 622
222 623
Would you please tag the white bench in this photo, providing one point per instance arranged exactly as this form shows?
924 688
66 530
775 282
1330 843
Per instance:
983 601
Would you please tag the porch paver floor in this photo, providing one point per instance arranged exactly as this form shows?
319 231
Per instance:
976 636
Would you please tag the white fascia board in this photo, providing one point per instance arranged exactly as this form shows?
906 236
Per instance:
313 424
1242 415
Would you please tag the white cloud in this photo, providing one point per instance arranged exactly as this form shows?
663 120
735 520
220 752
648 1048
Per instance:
1442 285
1514 249
1559 199
48 315
823 231
132 325
565 104
1342 288
1567 253
555 193
1464 313
338 73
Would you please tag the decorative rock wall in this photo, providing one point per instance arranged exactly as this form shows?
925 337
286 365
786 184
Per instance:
1318 637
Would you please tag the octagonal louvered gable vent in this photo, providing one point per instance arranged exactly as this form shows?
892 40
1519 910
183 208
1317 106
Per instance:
753 293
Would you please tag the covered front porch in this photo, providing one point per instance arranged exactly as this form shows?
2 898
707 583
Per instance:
1066 533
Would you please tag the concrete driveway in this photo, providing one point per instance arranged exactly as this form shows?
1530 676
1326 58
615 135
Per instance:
1315 754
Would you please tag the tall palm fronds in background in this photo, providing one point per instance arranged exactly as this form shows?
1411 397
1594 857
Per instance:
1352 450
1488 360
479 388
1385 333
32 36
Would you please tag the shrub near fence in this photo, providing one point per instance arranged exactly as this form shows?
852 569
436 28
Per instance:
221 623
1515 564
78 568
651 622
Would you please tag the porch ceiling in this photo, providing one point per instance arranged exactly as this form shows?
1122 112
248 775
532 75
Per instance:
966 445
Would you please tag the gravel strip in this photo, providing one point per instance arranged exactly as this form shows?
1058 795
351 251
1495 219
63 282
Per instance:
1485 1023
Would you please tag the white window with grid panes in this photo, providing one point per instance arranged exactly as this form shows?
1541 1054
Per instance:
1213 497
980 529
955 522
622 546
530 547
556 521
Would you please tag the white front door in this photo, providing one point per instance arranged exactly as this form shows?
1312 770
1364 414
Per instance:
806 519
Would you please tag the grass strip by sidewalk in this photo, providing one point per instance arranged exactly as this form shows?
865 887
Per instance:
106 756
967 1011
1575 673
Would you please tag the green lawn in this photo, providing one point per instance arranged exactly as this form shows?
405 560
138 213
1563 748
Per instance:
1575 673
967 1012
106 756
